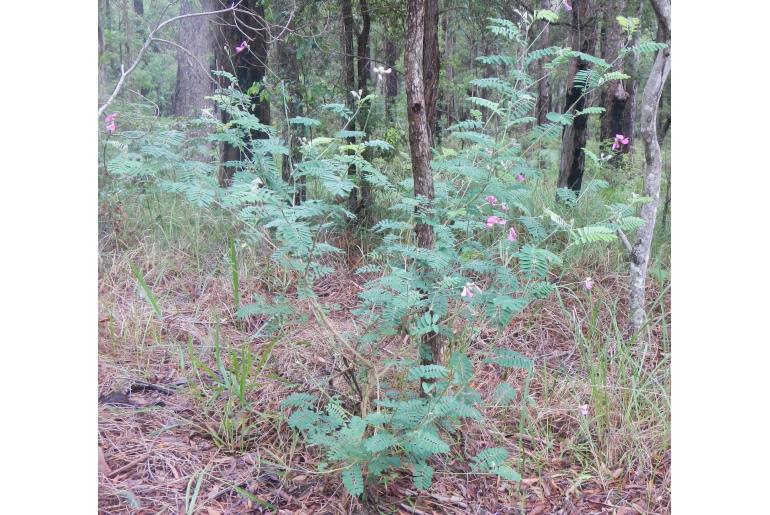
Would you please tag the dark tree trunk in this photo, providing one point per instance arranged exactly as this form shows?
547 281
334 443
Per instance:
614 96
575 136
348 67
392 52
139 7
419 137
193 79
430 64
543 105
629 119
249 67
288 68
361 196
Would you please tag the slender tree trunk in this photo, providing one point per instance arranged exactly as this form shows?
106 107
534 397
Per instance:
430 64
193 80
614 96
449 48
363 67
102 71
419 138
575 136
543 105
629 120
392 52
640 253
288 67
250 67
349 81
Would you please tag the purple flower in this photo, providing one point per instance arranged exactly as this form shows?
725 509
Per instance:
567 6
491 199
492 220
520 178
243 46
619 140
109 122
588 283
512 236
504 206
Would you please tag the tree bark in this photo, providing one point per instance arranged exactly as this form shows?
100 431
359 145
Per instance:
614 96
450 102
193 81
430 64
419 137
392 52
629 120
543 105
574 136
250 67
640 253
288 67
361 195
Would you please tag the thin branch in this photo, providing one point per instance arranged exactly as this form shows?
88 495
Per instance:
150 38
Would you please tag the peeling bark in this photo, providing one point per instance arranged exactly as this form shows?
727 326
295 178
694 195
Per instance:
640 254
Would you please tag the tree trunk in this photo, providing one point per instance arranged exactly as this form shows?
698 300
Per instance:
430 64
640 253
419 138
193 80
139 7
629 120
391 80
288 68
250 66
349 81
614 96
363 191
574 136
543 105
449 48
102 71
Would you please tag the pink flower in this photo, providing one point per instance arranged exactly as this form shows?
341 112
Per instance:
567 6
243 46
504 206
492 220
491 199
512 236
619 140
520 178
584 410
109 122
469 289
588 283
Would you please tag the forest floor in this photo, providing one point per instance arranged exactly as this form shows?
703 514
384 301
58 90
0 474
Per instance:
594 439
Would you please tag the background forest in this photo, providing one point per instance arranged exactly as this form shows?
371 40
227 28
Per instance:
383 256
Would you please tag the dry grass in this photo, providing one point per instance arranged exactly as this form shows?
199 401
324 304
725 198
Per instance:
243 458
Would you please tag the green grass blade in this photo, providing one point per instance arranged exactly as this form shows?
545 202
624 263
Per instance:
147 292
